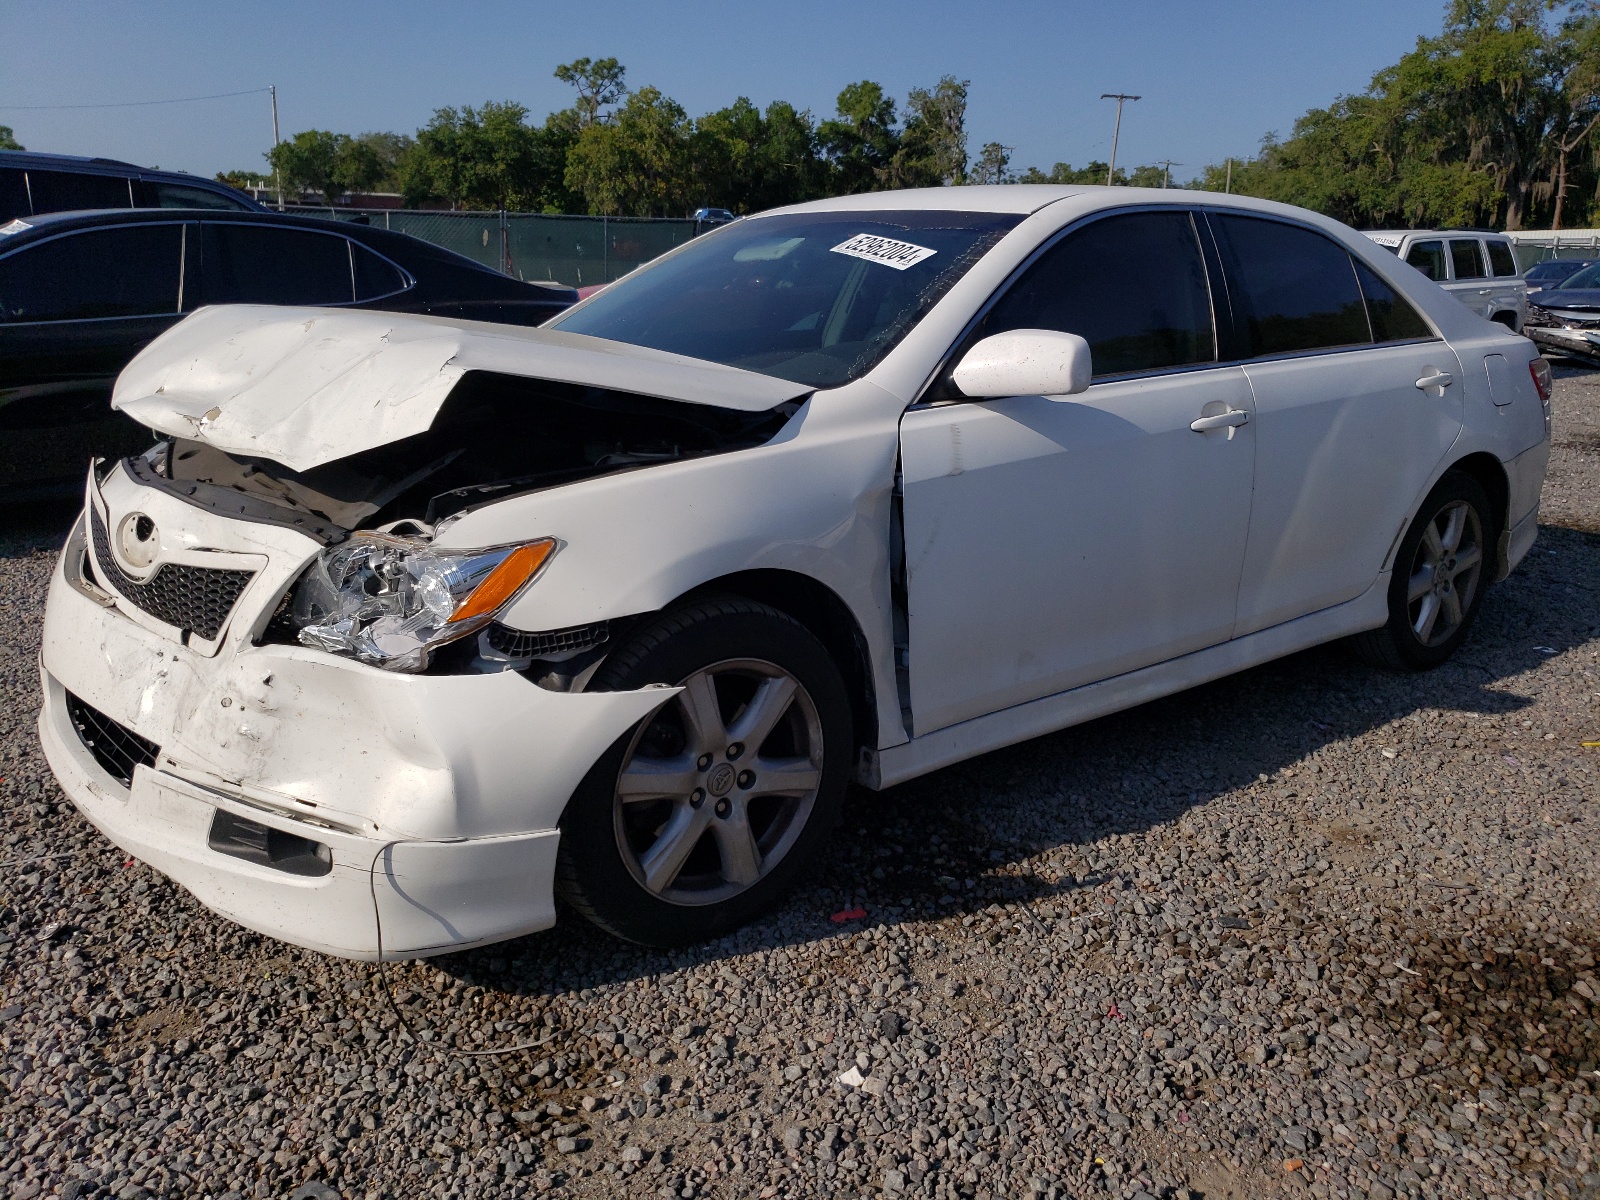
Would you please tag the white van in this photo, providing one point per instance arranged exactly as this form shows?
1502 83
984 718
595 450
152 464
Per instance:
1478 269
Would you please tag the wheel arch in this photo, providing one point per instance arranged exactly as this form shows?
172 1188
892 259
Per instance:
1490 475
828 618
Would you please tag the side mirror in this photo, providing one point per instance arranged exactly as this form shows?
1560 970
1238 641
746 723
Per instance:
1025 362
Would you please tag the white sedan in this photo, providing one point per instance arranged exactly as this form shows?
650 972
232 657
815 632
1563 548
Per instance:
408 625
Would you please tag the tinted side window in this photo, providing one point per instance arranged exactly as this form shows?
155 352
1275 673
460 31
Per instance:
61 191
1501 260
1467 258
129 272
1392 316
1428 257
374 275
265 264
1134 287
1291 288
174 195
13 195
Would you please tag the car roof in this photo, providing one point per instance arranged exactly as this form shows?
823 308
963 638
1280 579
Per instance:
37 161
1400 233
383 240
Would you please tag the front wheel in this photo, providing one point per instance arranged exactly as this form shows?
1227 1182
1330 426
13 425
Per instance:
1440 576
706 813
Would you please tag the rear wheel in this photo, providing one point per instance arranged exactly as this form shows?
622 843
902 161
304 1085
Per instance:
1440 576
706 813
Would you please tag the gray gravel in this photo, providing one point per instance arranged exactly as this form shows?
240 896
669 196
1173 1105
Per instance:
1310 929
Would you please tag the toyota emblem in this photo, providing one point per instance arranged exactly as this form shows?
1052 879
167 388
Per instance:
137 542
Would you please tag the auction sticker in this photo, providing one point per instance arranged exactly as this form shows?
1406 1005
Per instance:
886 251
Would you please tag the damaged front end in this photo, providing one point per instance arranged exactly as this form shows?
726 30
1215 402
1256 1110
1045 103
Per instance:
242 655
380 591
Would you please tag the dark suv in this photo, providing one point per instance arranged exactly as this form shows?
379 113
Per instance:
31 184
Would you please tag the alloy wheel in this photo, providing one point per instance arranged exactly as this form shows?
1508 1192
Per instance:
719 784
1445 573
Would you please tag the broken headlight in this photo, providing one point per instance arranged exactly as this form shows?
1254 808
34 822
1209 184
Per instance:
390 601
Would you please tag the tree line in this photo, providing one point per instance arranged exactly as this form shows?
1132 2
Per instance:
1491 123
1494 122
636 152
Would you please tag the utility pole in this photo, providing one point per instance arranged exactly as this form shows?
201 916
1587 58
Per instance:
1166 176
1227 188
277 175
1116 132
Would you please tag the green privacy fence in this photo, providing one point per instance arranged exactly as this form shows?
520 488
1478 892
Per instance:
577 251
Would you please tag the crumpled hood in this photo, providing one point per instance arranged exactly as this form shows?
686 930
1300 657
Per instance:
307 386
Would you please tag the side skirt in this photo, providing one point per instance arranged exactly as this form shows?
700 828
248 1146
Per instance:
1021 722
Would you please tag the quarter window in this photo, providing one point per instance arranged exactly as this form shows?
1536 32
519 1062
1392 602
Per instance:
267 264
1133 286
1392 316
127 272
375 276
1467 258
1292 289
1501 260
175 195
1428 257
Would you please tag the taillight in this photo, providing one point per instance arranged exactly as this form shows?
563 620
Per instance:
1540 370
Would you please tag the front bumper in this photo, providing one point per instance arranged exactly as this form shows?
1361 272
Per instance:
441 794
1558 339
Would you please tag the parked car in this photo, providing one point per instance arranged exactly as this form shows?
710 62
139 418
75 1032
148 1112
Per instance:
1550 273
32 184
80 293
1565 319
713 216
1479 269
422 621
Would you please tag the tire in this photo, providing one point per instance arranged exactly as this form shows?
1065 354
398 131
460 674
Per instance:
732 786
1441 573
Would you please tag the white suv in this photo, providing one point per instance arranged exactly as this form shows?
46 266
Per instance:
1478 269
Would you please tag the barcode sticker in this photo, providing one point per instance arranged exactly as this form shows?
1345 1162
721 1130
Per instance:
885 251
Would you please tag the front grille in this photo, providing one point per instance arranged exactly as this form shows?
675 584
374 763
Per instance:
516 643
195 599
115 747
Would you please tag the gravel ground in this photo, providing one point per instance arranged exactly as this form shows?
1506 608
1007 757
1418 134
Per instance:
1309 929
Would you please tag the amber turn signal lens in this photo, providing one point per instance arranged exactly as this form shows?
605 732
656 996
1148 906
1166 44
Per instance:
504 581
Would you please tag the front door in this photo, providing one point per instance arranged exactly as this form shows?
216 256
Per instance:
1053 542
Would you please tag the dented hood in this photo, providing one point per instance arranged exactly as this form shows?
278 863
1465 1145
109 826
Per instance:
306 386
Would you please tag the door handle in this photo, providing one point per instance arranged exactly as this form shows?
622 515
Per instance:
1229 420
1436 379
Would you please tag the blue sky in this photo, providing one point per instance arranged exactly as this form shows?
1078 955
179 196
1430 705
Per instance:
1214 77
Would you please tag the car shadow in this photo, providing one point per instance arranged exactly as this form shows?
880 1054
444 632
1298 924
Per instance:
961 840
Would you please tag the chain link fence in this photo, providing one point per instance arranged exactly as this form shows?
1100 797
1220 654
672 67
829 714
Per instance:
576 251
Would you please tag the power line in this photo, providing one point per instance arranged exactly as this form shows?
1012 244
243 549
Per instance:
128 103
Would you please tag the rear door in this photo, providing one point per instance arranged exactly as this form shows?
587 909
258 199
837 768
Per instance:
1357 400
73 310
1508 291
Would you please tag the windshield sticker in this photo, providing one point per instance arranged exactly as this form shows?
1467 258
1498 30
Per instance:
885 251
14 227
